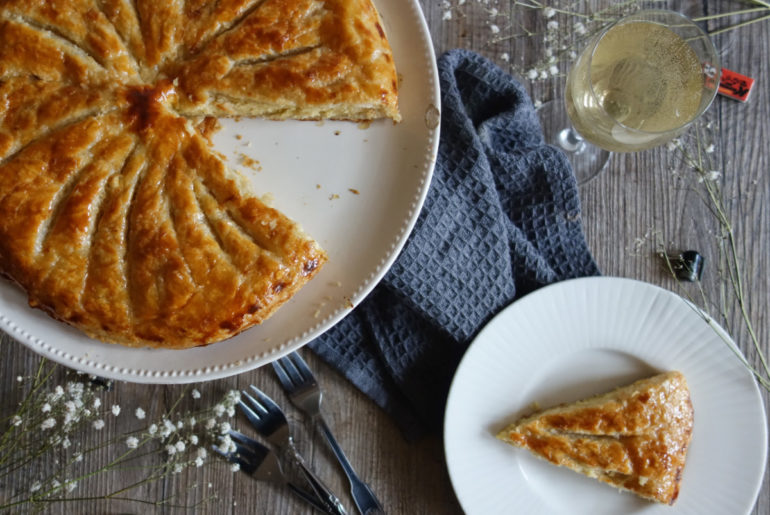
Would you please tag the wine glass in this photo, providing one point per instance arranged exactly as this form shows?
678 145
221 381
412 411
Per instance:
638 84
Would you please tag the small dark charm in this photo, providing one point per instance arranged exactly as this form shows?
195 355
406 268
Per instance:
689 266
101 382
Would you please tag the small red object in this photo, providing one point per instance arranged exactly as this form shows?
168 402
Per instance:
735 85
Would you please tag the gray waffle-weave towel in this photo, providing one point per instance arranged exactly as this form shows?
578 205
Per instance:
501 218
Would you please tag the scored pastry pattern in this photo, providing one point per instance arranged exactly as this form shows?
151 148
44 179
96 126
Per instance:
116 216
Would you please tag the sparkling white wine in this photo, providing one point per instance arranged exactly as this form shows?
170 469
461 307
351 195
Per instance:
641 83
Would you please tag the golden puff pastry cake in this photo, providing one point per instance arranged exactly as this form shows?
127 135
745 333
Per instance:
116 215
634 438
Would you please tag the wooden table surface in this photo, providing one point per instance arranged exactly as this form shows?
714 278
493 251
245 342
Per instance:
633 205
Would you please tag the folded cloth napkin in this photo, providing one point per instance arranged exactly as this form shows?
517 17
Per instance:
501 218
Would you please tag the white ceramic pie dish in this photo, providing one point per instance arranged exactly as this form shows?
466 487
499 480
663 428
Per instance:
356 189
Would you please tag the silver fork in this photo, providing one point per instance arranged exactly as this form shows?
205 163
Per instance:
303 390
262 464
270 421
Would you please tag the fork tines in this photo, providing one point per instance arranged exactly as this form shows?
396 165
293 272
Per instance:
248 453
293 372
263 413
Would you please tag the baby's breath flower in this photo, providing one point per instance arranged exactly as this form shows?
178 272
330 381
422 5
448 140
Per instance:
75 389
97 403
552 25
532 74
549 12
199 462
505 57
712 175
232 397
65 443
98 424
235 467
227 444
201 453
16 421
446 15
192 421
115 410
35 486
48 423
78 457
193 439
195 394
494 28
710 149
140 414
132 442
553 70
71 485
45 408
168 428
69 419
180 446
224 427
219 409
579 28
152 429
170 449
19 379
178 468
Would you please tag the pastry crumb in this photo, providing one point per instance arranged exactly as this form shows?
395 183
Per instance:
250 162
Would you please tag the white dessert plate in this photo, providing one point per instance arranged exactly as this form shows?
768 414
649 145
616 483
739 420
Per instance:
583 337
356 189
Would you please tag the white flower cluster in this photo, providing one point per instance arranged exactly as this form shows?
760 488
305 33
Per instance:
184 440
562 26
55 417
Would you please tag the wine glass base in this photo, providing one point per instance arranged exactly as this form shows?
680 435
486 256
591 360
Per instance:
587 160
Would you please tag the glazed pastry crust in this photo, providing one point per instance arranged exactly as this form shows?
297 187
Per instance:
302 59
634 438
116 216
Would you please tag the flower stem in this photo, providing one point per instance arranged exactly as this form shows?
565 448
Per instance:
739 25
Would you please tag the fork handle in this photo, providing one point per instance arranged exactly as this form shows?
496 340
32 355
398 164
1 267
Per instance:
307 497
365 500
332 504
